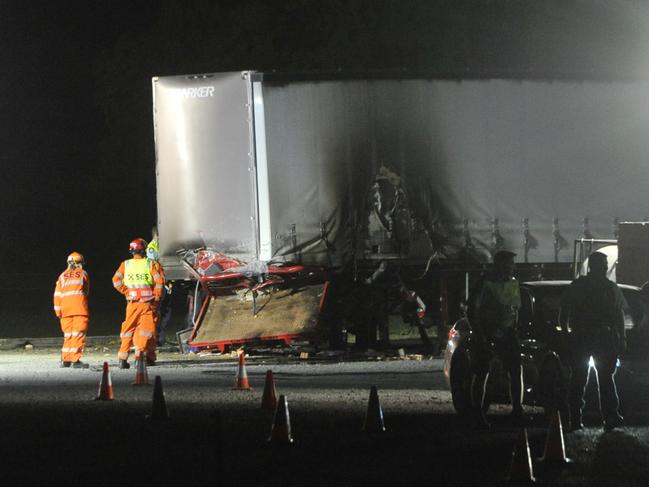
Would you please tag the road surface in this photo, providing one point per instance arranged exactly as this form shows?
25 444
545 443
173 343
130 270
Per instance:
54 432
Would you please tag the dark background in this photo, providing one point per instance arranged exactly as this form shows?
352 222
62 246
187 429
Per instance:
76 135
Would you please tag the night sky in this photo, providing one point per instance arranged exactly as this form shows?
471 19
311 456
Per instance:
76 144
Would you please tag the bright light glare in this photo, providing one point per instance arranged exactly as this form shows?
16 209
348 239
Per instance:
591 362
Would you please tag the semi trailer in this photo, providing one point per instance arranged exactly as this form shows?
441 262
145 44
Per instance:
304 204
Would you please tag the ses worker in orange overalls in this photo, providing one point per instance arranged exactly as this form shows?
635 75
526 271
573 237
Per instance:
71 307
141 281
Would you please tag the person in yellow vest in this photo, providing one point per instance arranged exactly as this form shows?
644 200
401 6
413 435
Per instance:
493 320
139 279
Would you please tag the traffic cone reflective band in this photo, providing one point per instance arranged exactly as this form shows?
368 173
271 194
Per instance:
521 470
242 376
374 416
105 386
281 430
269 398
159 409
555 449
141 375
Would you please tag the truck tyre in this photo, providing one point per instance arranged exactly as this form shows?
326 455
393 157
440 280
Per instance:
552 387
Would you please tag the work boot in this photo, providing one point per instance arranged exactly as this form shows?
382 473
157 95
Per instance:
613 422
65 365
79 365
123 364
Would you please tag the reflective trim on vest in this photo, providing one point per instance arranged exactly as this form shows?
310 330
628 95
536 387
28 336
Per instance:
57 308
126 335
119 274
140 292
117 283
72 350
145 333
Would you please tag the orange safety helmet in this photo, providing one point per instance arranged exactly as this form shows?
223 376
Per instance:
75 258
137 246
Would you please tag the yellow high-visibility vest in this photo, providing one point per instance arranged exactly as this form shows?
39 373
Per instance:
138 279
498 303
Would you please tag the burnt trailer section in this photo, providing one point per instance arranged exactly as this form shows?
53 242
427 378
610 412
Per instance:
292 178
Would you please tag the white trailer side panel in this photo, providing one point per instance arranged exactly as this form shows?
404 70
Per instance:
474 150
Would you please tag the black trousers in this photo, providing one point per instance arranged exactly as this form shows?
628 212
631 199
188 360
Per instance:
504 344
602 346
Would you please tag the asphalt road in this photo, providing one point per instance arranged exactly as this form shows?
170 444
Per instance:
54 432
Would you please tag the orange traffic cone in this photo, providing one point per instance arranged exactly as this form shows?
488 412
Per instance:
521 471
374 416
242 376
269 398
281 431
141 375
555 450
159 409
105 386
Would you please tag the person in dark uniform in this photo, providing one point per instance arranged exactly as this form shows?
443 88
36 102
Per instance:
592 316
493 320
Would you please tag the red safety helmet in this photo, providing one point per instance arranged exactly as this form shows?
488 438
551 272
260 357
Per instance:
75 258
137 246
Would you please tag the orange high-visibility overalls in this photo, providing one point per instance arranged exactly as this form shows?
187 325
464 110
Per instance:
141 283
71 307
